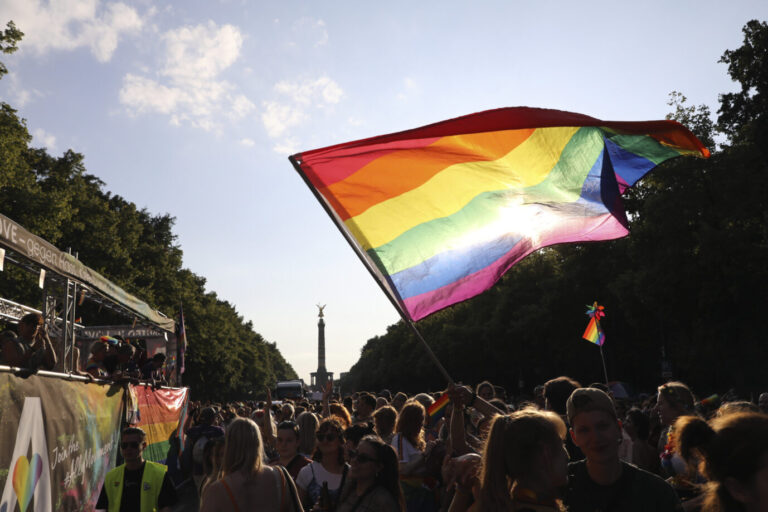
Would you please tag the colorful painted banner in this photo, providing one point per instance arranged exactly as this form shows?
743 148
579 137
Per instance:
161 411
58 439
440 213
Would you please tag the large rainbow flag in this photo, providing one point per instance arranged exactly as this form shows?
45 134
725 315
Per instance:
161 416
439 213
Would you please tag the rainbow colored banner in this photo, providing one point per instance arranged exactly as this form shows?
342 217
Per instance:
437 409
440 213
58 439
161 413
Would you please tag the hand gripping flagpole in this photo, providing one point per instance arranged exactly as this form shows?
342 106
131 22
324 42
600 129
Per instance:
376 276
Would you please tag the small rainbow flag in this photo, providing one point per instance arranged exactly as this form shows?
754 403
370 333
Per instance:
594 332
440 213
110 340
437 409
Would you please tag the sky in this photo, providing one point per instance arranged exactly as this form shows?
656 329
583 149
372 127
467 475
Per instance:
191 108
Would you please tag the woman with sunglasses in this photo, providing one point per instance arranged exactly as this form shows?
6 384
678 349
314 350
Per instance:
327 467
373 479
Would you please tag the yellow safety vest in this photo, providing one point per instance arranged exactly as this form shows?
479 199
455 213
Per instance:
151 483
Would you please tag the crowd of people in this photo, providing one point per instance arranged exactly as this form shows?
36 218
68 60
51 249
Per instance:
29 348
569 447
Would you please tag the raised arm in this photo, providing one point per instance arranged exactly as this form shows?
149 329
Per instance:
326 398
470 399
49 356
457 441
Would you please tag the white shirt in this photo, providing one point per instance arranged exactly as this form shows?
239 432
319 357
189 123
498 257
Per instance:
409 452
321 475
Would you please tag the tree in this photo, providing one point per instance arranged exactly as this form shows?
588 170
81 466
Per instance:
744 114
58 200
8 40
697 119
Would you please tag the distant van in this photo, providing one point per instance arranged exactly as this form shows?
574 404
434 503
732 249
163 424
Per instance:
294 389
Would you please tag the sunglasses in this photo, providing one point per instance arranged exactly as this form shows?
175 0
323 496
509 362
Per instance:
129 444
331 437
361 457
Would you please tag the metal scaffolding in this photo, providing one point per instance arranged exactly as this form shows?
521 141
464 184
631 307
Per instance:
60 298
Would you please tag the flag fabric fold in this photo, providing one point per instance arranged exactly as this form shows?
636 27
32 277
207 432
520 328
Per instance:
440 213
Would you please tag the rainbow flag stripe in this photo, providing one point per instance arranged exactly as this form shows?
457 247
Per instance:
161 414
594 333
441 212
437 409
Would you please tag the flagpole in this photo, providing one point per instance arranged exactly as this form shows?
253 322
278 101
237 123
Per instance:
179 349
605 370
367 264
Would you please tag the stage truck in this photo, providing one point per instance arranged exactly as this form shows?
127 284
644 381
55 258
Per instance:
293 389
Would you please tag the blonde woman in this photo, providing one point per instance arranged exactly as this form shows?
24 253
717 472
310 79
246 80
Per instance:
308 424
247 483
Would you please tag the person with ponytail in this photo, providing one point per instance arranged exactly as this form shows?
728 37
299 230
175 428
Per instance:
732 453
674 400
524 464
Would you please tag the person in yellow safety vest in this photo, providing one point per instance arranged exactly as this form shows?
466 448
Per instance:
138 485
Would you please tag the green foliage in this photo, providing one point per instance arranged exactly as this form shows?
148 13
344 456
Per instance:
744 114
8 39
689 282
697 119
55 198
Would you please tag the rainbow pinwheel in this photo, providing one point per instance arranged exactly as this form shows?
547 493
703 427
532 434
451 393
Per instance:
594 332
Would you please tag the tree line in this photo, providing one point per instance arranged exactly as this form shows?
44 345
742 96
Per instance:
684 293
56 198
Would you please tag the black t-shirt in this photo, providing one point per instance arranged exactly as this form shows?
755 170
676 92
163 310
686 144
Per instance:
635 490
131 499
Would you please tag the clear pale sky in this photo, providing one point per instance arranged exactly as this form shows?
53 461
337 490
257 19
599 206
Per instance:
192 107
